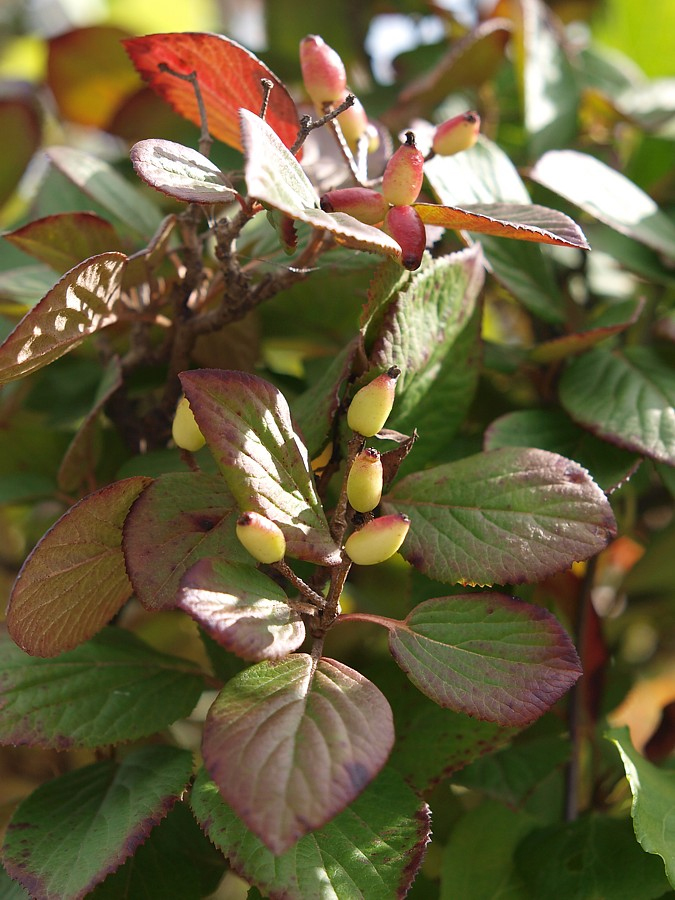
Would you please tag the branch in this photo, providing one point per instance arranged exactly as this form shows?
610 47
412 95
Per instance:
205 139
307 124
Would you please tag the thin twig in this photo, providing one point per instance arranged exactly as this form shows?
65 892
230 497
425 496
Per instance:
307 124
316 599
205 139
267 86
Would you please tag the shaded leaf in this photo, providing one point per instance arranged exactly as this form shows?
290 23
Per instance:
9 889
274 176
526 222
247 425
75 580
242 609
102 183
181 518
625 397
180 172
371 851
653 792
551 429
65 239
506 516
20 118
629 253
608 195
83 302
328 731
113 688
24 287
491 656
229 80
73 831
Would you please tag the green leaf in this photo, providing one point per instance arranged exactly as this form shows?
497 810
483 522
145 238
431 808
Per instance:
274 176
551 429
176 861
506 516
653 801
83 302
491 656
242 609
73 831
593 857
24 287
75 580
9 889
626 397
113 688
180 172
64 240
631 254
290 745
371 851
485 876
181 518
615 320
608 195
104 185
248 427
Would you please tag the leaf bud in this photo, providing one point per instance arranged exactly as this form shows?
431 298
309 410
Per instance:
364 482
404 224
323 71
362 203
456 134
377 540
185 430
404 173
262 537
371 405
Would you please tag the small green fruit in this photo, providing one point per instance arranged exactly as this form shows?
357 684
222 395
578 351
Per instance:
371 405
377 540
262 537
185 430
364 482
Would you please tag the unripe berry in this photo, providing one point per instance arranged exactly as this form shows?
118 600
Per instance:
403 175
364 204
364 482
377 540
371 405
404 224
323 71
456 134
185 430
262 537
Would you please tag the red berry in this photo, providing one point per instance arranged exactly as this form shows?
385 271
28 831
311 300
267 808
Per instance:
403 223
364 204
323 71
403 175
456 134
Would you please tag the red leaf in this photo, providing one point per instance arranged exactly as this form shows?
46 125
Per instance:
229 79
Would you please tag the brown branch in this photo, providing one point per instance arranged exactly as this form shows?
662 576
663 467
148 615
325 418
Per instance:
307 124
205 139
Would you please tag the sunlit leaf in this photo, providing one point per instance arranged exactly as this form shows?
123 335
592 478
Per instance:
328 731
65 239
608 195
506 516
83 302
113 688
180 172
242 609
625 397
248 428
228 76
73 831
75 580
370 851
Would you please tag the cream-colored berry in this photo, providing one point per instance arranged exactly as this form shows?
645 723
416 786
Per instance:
262 537
377 540
364 482
371 405
185 431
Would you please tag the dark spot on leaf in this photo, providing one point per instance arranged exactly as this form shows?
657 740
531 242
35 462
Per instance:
358 774
204 522
576 476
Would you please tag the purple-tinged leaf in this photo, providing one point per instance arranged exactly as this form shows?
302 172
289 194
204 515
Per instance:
20 120
370 851
65 239
242 609
608 195
181 518
551 429
523 222
506 516
274 177
491 656
625 397
83 302
74 581
180 172
73 831
114 688
290 745
248 427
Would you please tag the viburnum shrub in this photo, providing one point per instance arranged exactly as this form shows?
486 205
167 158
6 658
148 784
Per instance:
377 502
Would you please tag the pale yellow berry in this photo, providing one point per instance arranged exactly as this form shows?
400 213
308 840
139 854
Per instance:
364 482
456 134
377 540
262 537
185 430
370 406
